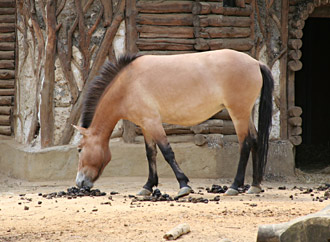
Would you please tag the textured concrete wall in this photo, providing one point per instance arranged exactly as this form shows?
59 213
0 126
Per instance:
130 160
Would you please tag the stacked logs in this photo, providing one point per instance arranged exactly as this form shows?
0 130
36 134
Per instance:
218 129
295 122
7 63
169 27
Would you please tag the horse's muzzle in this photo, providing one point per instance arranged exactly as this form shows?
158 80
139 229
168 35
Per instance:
83 181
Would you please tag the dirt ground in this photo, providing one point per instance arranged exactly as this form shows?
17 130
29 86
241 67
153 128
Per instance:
27 216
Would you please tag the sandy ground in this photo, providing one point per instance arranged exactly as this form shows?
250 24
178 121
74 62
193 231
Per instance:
31 217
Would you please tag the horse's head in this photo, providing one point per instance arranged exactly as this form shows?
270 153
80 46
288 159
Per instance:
94 155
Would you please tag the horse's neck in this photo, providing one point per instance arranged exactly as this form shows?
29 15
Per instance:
104 121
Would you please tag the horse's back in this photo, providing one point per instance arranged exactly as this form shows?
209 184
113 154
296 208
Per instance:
188 89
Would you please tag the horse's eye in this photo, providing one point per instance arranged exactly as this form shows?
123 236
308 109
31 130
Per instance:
79 150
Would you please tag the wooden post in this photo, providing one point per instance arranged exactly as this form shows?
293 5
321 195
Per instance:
283 68
129 133
47 89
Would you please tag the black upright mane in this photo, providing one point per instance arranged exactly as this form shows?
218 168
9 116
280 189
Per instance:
97 86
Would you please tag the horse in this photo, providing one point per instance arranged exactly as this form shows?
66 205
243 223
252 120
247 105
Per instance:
184 89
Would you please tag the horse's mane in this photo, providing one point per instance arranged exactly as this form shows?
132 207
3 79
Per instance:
98 85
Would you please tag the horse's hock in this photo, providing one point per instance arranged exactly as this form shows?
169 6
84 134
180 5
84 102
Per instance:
208 161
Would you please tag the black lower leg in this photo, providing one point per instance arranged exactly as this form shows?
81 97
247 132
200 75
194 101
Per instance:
170 158
256 176
153 177
244 157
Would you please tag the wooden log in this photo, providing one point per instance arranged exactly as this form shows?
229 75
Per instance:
217 8
7 3
294 2
164 6
236 44
7 55
7 83
6 100
7 92
176 232
295 65
7 74
296 33
310 8
230 138
295 54
295 44
295 121
240 3
166 52
7 64
131 31
165 19
222 115
6 11
7 37
148 31
297 24
187 138
5 130
5 110
165 44
296 140
199 139
4 119
224 21
296 131
225 32
7 27
7 18
7 46
295 111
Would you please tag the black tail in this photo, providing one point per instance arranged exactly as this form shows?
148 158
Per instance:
265 118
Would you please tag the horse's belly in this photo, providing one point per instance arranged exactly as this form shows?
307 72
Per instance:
188 116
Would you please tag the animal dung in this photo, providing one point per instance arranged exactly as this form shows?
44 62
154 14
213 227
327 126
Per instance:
177 231
74 192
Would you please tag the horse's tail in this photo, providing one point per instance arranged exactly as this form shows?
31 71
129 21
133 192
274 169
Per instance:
265 118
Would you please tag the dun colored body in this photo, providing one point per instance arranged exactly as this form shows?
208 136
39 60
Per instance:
178 89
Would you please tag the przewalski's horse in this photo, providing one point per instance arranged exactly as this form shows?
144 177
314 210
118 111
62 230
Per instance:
177 89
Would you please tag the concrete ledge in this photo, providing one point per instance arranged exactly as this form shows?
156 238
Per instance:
60 162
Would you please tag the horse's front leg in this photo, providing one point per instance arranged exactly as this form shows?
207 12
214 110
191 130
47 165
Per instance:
152 181
169 156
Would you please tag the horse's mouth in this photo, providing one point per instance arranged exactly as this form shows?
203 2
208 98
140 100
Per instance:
83 181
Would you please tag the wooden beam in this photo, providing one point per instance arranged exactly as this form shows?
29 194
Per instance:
7 4
7 46
8 18
224 21
7 37
7 74
236 44
7 92
5 110
7 64
225 32
165 19
149 31
7 27
166 44
5 130
7 83
4 119
6 11
164 6
6 100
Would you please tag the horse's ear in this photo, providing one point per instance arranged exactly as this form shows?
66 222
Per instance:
81 130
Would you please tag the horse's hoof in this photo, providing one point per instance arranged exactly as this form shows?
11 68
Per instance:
231 192
184 191
144 192
254 190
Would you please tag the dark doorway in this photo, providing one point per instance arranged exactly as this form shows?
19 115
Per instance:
312 93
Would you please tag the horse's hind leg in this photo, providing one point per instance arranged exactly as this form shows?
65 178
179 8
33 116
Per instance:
255 188
245 142
151 152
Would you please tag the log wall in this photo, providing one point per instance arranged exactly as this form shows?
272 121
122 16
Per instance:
7 64
177 27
